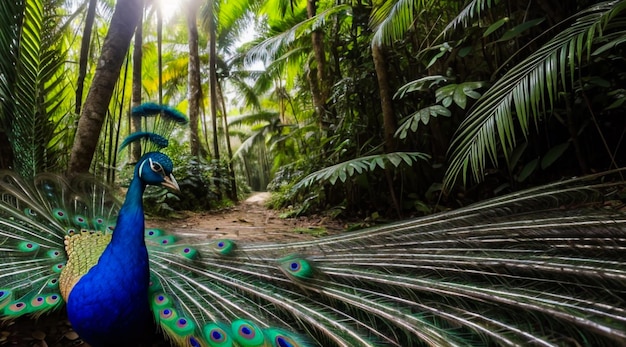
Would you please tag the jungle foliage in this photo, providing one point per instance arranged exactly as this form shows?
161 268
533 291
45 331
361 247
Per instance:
367 108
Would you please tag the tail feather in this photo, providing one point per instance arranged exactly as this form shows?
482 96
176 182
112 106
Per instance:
545 267
34 220
516 270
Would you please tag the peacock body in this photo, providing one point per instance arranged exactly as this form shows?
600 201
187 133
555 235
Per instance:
104 303
543 267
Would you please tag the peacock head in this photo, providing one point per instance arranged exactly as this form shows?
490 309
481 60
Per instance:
155 168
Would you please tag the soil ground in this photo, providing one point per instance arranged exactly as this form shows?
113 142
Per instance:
249 220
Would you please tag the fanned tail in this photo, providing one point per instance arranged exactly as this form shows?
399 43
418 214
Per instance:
515 270
34 220
546 266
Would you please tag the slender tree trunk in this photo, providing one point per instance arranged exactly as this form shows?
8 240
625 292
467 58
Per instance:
135 122
233 182
84 53
213 81
122 27
390 123
160 52
317 75
195 87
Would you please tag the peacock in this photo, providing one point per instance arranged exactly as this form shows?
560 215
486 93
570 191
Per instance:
544 266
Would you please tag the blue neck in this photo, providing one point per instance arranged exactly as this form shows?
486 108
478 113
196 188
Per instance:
109 304
130 226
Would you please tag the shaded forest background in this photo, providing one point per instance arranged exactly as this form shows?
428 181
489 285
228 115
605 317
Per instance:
364 108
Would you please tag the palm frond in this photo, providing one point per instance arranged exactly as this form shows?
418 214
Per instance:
346 169
258 136
528 88
33 95
268 48
253 118
392 20
472 9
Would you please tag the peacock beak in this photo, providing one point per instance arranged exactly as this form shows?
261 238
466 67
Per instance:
170 183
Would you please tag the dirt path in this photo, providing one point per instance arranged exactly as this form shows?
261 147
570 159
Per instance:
249 220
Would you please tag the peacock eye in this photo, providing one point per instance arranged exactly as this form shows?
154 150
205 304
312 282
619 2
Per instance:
156 167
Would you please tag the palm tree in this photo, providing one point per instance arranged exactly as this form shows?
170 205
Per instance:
84 53
123 23
195 84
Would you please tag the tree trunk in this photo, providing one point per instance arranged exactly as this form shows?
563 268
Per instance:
233 182
213 80
195 88
122 27
84 53
390 124
160 51
135 122
317 75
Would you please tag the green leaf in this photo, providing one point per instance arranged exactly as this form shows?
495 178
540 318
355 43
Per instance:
517 30
411 122
516 155
343 171
495 26
528 170
553 154
530 88
422 84
459 97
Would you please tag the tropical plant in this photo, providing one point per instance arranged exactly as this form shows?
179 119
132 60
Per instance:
33 83
530 91
123 22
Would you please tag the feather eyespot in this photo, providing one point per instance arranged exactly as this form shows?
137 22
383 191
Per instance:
54 253
282 338
52 283
282 341
223 247
246 331
218 335
38 301
182 322
298 267
17 307
193 342
26 246
167 314
53 299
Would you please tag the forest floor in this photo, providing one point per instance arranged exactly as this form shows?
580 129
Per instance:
249 220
